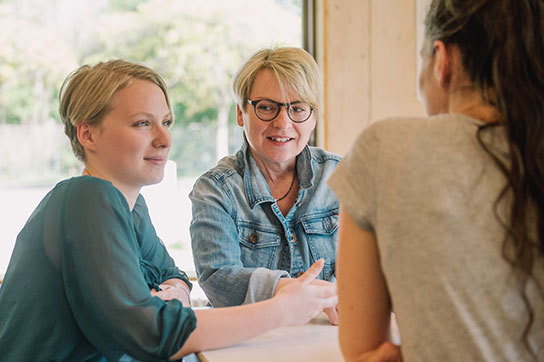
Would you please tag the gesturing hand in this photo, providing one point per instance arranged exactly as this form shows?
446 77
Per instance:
331 312
303 299
329 287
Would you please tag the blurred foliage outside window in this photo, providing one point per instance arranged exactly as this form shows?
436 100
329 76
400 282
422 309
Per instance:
196 45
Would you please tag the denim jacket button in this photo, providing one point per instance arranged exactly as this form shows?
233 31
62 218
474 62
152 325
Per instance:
253 238
299 274
293 237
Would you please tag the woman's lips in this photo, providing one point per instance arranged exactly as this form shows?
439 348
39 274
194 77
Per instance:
156 160
280 139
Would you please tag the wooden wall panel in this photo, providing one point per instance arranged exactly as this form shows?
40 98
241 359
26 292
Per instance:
393 59
346 69
369 59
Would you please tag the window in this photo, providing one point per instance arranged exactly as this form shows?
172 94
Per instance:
195 45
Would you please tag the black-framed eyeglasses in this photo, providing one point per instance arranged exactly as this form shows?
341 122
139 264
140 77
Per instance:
267 109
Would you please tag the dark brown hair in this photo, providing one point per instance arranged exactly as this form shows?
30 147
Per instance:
502 50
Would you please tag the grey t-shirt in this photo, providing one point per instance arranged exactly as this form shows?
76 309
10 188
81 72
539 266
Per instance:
426 188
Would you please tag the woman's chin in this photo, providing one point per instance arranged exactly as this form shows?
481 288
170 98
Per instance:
154 179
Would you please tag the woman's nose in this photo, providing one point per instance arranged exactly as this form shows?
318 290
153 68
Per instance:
162 137
282 120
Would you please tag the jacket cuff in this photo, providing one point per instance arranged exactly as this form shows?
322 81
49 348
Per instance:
262 284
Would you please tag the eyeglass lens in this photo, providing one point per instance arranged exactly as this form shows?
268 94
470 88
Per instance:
267 110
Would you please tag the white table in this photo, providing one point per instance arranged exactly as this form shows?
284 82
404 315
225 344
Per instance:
315 341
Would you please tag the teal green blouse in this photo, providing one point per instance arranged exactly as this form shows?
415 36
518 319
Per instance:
78 283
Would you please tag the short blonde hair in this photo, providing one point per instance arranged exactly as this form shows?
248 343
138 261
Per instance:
296 71
87 93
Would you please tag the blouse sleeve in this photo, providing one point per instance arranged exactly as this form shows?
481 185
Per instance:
157 263
354 180
104 285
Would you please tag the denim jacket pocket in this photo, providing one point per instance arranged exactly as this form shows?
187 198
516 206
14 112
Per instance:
259 245
322 238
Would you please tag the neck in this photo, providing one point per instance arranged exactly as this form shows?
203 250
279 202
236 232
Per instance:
274 171
290 186
131 195
470 103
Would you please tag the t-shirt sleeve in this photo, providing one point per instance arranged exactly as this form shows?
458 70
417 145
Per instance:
104 285
354 180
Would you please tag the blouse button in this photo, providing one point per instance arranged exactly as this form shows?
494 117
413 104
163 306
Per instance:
299 274
293 237
253 238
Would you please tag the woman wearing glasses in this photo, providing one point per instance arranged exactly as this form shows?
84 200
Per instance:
262 216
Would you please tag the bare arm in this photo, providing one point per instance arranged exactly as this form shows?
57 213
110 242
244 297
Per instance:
295 304
364 305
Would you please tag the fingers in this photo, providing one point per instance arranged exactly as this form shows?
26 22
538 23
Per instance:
322 282
332 314
324 290
312 272
329 302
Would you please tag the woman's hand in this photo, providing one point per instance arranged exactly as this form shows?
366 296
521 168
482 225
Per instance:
174 289
332 312
294 304
328 287
305 296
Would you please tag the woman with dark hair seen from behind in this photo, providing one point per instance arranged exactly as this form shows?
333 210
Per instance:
442 218
89 279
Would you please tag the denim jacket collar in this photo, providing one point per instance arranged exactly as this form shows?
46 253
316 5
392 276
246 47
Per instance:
256 188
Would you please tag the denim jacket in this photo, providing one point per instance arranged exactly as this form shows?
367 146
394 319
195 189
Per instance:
242 244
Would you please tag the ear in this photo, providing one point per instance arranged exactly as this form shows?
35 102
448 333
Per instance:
442 63
239 116
85 136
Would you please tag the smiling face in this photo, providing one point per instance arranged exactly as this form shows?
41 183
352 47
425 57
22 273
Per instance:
278 141
130 146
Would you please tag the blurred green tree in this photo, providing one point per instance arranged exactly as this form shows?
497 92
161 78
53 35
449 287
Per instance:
197 46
